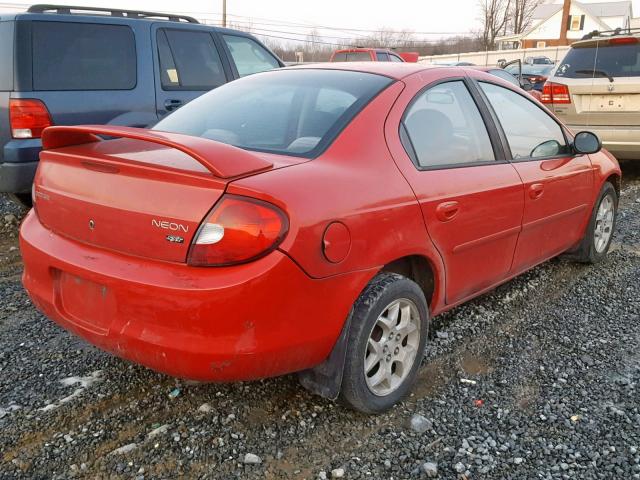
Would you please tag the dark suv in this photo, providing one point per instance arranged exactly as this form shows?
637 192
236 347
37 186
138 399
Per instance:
79 65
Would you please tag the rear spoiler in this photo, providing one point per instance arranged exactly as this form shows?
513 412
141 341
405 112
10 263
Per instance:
222 160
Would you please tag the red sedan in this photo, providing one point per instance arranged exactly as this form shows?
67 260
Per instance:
311 219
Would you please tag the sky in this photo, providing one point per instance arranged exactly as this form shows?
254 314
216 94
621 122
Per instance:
429 19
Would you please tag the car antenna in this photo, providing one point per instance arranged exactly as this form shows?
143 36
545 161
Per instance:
593 81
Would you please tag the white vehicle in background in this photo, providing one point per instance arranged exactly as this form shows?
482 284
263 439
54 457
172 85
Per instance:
596 87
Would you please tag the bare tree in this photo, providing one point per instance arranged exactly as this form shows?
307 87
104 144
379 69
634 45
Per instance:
494 15
522 13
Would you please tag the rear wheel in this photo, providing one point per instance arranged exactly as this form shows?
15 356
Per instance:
387 337
597 239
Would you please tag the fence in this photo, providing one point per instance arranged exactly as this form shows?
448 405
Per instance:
491 57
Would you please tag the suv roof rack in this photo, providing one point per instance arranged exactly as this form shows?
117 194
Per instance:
611 33
68 10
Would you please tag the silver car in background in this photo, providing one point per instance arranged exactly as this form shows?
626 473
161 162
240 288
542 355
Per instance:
596 87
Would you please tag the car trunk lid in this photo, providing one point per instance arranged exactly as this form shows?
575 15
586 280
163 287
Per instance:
144 194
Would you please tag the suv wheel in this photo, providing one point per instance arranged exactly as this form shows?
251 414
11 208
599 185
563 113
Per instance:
387 337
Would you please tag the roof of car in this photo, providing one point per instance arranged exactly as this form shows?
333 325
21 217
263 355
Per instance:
395 70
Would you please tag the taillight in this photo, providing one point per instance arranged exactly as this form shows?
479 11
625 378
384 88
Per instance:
238 230
555 93
28 118
623 41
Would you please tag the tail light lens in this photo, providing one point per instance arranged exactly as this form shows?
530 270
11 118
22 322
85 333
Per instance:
238 230
537 79
28 118
623 41
556 93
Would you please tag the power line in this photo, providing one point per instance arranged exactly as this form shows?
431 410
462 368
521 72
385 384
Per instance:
273 22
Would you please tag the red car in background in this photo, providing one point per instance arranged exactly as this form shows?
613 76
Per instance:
372 55
311 219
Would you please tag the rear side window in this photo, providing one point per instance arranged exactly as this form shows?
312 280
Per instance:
444 127
83 56
189 60
613 60
530 131
293 112
6 56
358 57
249 56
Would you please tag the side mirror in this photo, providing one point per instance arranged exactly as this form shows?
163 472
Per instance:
586 142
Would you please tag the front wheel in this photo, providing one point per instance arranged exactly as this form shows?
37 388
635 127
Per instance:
597 239
387 337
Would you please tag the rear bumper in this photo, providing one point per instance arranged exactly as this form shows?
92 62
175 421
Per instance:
623 142
250 321
19 164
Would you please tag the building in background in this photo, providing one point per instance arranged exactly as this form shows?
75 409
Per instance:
562 22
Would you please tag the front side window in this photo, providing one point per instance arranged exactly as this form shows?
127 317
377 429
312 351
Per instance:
444 127
83 56
395 58
189 60
292 112
249 56
530 131
382 56
505 76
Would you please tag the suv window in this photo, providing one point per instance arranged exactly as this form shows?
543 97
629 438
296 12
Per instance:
6 56
444 127
382 56
530 131
395 58
83 56
614 60
352 57
189 60
249 56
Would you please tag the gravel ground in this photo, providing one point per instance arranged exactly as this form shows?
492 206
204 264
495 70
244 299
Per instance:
539 379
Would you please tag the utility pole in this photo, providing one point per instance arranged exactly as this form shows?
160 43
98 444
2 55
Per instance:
224 13
564 26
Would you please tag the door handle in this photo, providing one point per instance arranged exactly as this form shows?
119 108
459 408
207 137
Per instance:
172 104
447 211
536 190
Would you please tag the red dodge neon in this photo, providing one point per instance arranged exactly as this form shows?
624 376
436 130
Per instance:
311 219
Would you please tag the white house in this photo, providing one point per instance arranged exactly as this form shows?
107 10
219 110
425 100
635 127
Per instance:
549 29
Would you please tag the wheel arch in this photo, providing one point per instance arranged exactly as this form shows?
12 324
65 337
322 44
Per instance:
325 379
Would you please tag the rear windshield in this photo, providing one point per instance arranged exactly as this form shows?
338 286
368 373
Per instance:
530 69
292 112
612 60
352 57
83 56
6 56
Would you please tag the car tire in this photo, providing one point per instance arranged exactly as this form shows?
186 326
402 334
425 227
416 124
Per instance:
387 337
597 239
22 199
